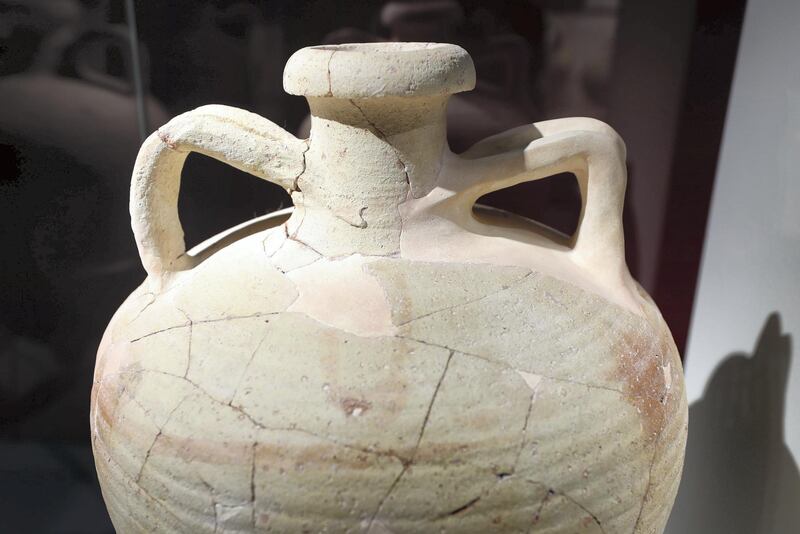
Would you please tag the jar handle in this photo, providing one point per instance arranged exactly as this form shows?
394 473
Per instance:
241 139
586 147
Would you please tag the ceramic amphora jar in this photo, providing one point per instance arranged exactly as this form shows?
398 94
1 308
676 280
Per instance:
388 358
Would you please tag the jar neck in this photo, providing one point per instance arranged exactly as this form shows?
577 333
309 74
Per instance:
365 158
349 133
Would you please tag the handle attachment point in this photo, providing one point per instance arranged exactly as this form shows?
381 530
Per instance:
241 139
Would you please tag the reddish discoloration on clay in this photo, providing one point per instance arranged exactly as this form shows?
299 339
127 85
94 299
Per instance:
354 407
109 393
194 449
640 368
166 140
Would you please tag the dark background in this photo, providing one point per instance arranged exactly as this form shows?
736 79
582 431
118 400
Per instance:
658 71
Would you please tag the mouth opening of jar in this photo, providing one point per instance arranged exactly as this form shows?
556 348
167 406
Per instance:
373 70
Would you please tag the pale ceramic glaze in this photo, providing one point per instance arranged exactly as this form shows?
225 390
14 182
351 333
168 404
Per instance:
387 359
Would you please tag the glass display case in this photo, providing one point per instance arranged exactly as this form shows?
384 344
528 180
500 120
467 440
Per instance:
83 82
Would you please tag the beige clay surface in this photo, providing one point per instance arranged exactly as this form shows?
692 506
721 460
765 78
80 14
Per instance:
387 360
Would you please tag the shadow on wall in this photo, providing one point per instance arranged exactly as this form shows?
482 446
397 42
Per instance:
739 476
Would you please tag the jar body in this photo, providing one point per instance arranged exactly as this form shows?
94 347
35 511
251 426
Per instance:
271 388
391 358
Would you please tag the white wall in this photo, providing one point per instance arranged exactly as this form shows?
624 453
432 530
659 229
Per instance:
744 431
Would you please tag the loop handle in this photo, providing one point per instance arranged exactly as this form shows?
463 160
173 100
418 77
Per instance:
241 139
588 148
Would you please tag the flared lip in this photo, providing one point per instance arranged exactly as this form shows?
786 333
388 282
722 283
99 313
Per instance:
368 70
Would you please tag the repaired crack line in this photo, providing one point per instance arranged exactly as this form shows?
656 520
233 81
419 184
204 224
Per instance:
253 485
240 410
582 507
525 428
507 287
109 459
382 135
408 464
212 497
555 492
462 508
294 237
189 351
264 243
330 87
361 225
538 515
206 321
512 368
296 181
649 482
140 312
246 368
155 439
430 406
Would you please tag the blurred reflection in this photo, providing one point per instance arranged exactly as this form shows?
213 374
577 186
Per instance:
739 476
502 98
68 136
50 488
223 52
68 139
